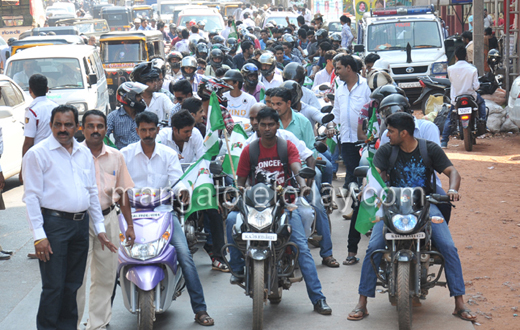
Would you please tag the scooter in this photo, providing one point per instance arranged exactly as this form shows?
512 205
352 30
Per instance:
432 86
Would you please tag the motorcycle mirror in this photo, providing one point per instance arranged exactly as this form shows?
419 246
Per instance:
361 171
324 87
307 173
327 109
327 118
215 167
320 146
330 97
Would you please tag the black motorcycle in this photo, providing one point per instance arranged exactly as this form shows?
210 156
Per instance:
467 120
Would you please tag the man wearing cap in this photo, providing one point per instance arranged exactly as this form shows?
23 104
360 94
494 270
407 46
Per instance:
153 23
137 24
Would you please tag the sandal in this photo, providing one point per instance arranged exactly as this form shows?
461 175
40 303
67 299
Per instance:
351 261
330 262
219 265
204 319
354 317
462 311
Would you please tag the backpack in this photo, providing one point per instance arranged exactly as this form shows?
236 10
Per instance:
441 117
254 152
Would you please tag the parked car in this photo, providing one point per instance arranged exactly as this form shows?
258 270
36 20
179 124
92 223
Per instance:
12 112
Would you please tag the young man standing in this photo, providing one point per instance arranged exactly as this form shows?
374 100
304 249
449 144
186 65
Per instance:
239 102
325 75
247 51
346 33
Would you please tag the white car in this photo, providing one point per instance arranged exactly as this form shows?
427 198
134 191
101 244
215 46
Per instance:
12 113
514 102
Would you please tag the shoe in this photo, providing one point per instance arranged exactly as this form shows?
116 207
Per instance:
444 145
236 279
322 308
348 216
4 256
218 265
7 252
334 205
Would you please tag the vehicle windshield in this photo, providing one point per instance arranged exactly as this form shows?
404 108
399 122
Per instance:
85 28
121 52
396 35
168 8
334 27
212 22
143 13
280 20
61 73
116 19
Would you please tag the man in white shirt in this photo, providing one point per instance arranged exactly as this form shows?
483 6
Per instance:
183 45
239 103
60 167
238 14
346 33
22 77
182 138
247 20
307 15
154 165
325 75
158 103
271 75
488 19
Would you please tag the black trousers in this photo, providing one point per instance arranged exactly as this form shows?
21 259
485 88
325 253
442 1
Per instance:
353 235
351 158
62 275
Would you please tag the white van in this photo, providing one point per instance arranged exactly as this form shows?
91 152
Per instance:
75 74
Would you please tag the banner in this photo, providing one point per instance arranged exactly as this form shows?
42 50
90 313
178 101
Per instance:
331 10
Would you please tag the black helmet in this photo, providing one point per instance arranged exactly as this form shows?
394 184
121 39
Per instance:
296 90
381 92
218 39
171 56
126 93
188 62
394 103
321 34
249 36
493 57
11 40
249 69
212 33
294 71
267 58
202 51
233 74
208 85
193 40
232 44
144 72
223 48
336 37
216 53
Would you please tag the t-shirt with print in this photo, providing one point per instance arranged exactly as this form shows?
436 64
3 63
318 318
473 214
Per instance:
239 106
268 161
409 169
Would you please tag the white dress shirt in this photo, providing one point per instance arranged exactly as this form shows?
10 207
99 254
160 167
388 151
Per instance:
58 180
182 46
321 77
289 136
191 150
311 113
275 82
464 80
37 119
161 105
347 107
310 98
307 16
160 171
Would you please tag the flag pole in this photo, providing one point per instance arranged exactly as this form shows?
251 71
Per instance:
229 155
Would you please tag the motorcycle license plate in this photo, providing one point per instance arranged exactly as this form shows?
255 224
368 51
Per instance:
392 236
465 111
410 85
259 237
146 215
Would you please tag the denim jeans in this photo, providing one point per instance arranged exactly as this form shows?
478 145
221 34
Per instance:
189 270
327 169
305 260
62 275
335 157
446 131
441 237
351 158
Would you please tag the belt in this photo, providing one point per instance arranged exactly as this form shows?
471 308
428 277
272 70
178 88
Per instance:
109 209
66 215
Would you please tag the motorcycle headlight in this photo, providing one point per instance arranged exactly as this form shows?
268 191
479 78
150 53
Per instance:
145 251
257 219
404 223
440 67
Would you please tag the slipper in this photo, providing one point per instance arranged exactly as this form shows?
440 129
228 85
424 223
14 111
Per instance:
363 312
330 262
351 261
462 311
204 319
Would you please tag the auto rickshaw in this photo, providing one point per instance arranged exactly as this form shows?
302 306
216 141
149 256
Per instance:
121 51
142 11
228 8
118 18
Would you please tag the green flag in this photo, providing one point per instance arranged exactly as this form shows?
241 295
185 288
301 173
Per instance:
237 142
262 95
233 31
371 130
215 122
374 195
332 143
109 143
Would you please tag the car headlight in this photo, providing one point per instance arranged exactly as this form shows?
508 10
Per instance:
440 67
404 223
145 251
257 219
82 107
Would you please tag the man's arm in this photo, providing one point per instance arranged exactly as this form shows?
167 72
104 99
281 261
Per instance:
27 144
454 184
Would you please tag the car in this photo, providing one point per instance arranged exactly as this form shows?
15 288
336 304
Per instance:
279 18
12 113
214 20
68 6
51 11
334 26
514 102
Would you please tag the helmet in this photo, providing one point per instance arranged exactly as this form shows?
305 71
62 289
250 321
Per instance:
249 36
218 39
192 23
216 53
223 48
336 36
493 57
188 62
208 85
394 103
233 74
248 70
232 43
381 92
173 55
212 34
193 41
321 34
267 58
294 71
144 72
201 23
296 90
250 29
159 65
287 38
377 79
382 65
126 93
202 50
172 27
11 40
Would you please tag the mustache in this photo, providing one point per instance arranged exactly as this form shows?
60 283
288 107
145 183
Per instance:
95 135
148 139
63 134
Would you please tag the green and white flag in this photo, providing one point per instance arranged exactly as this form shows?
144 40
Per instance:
199 181
332 143
372 130
237 142
215 122
262 95
233 31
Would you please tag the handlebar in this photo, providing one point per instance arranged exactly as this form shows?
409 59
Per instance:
440 198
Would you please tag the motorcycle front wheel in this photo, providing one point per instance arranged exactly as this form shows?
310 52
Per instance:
258 294
404 299
146 312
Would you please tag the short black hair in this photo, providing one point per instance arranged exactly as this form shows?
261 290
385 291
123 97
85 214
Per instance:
160 25
185 34
325 46
93 113
246 15
202 61
461 53
348 60
246 44
63 109
264 31
402 121
372 58
182 119
282 92
146 117
220 72
288 44
38 84
343 19
269 92
182 86
268 113
468 35
302 33
192 104
488 31
330 54
300 19
277 48
194 29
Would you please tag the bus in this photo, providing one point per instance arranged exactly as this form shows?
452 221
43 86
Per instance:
20 15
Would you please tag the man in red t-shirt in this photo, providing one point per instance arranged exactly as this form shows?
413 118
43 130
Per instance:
269 161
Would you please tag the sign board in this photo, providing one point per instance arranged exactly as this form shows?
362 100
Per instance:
331 10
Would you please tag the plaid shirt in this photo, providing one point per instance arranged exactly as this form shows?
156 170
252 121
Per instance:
123 127
228 121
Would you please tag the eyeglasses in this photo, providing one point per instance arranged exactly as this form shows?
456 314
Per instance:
201 68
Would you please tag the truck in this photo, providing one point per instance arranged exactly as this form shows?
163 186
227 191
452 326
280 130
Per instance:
20 15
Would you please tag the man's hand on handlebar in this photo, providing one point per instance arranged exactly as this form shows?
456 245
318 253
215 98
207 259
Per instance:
184 196
331 132
454 195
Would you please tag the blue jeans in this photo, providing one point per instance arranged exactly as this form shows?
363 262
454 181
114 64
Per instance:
322 222
446 132
327 170
335 156
305 260
441 237
351 158
189 270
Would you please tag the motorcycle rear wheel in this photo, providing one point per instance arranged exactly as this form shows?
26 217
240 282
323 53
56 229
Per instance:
258 294
146 313
468 139
404 299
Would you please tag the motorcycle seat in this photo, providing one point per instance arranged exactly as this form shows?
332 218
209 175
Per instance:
441 81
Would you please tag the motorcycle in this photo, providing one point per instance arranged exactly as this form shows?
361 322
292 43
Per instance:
262 234
466 110
432 86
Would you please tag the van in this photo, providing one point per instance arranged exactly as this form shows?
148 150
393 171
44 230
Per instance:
75 74
214 20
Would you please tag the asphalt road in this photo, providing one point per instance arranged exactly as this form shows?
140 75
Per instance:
20 289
